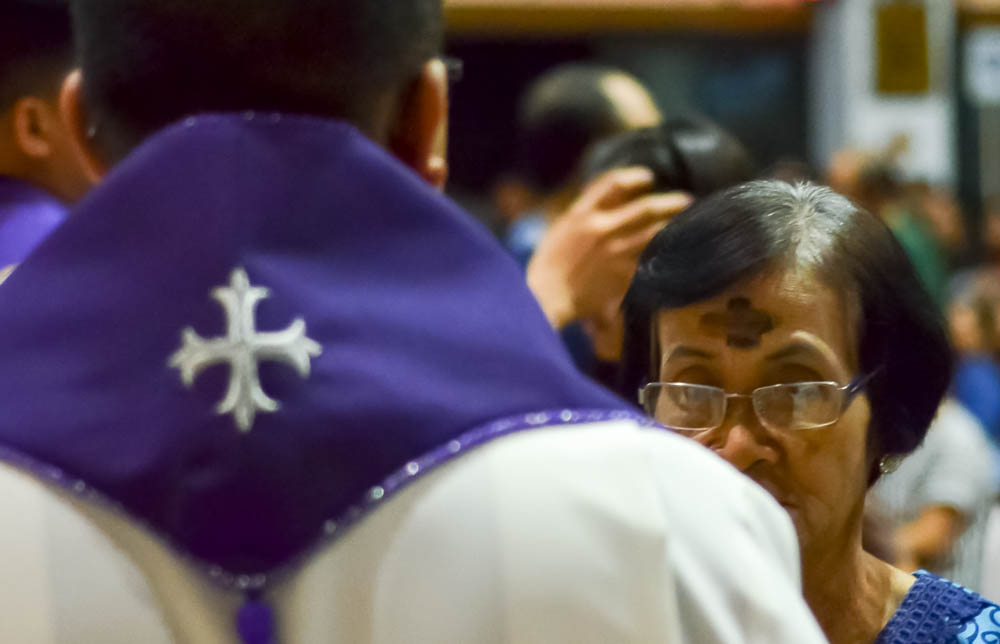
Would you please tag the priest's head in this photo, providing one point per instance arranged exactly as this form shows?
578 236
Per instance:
36 54
148 63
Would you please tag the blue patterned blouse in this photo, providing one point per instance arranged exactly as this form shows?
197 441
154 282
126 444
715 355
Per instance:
938 611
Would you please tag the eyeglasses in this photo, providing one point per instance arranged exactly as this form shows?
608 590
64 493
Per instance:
790 407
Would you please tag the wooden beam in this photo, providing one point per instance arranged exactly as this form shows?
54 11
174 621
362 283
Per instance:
583 17
970 20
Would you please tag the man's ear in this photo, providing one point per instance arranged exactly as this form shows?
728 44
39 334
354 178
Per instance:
419 136
32 121
74 114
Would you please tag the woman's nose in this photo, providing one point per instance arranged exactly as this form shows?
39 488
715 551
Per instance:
744 444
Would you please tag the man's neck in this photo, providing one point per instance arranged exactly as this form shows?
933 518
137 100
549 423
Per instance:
12 165
9 173
852 593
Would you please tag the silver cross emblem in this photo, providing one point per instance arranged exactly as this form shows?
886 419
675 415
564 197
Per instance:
243 348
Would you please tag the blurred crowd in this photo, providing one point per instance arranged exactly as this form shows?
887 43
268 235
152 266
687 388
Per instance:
937 506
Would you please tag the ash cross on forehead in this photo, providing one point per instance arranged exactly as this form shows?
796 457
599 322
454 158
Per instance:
741 324
243 348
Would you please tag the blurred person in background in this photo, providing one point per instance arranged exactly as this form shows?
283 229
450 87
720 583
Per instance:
688 155
39 168
791 170
844 170
942 214
785 329
940 497
991 234
873 181
561 114
973 319
882 192
608 222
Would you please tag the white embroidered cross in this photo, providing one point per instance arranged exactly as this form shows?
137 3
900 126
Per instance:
243 348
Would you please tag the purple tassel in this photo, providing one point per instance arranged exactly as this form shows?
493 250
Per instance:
255 623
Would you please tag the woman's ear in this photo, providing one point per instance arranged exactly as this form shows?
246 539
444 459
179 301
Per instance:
81 130
419 135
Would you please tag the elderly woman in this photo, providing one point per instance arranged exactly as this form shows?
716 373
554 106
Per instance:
785 329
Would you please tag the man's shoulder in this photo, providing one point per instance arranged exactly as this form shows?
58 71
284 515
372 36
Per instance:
648 470
596 533
607 445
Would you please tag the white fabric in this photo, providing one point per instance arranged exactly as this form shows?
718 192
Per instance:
954 467
588 534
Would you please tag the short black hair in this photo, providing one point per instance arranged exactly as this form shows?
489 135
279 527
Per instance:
688 153
36 48
747 230
563 113
148 63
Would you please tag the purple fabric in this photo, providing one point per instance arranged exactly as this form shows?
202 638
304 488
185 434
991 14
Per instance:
939 611
255 623
27 216
426 327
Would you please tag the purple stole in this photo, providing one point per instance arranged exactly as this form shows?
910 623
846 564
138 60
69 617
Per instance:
27 216
260 327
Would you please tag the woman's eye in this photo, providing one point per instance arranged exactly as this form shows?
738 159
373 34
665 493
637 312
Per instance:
692 397
694 376
806 393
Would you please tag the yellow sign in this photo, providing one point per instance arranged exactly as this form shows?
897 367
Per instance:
903 65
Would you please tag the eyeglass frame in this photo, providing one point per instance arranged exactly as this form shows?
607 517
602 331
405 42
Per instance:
851 391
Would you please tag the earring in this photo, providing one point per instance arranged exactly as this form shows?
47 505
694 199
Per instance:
92 132
889 463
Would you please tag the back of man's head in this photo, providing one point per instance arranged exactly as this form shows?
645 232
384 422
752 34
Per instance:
567 110
36 49
36 54
147 63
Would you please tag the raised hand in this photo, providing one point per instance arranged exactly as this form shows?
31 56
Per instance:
584 264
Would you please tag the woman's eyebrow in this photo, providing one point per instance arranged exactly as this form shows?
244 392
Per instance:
686 352
798 349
